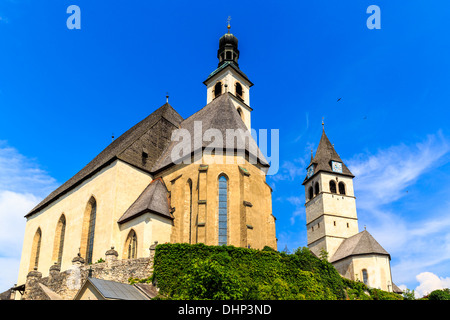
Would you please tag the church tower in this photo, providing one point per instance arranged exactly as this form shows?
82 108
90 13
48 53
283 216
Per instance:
330 202
229 78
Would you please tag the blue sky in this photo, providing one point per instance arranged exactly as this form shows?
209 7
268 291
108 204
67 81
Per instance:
64 92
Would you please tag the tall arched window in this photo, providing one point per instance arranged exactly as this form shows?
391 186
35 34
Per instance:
341 187
332 186
239 91
131 245
217 89
365 277
36 249
59 240
311 193
223 209
87 237
316 189
189 207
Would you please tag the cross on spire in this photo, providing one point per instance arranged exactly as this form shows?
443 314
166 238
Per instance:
228 20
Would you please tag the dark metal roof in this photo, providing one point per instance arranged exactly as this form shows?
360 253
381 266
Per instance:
153 199
152 133
324 155
116 290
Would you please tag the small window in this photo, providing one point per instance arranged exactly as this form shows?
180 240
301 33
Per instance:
217 89
334 223
332 186
131 245
239 91
341 188
365 277
316 189
228 55
348 225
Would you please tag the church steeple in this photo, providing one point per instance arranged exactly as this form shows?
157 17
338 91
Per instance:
330 201
228 78
326 160
228 48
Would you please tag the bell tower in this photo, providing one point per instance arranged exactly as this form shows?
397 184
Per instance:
330 202
228 78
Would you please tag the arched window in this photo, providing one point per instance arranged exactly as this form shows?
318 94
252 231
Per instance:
223 210
332 186
241 114
316 189
311 193
36 249
239 91
88 230
131 245
365 277
59 240
189 207
341 187
217 89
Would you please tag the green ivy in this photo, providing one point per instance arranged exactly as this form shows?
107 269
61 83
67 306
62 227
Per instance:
198 271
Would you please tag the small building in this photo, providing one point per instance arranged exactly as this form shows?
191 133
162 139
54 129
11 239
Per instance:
99 289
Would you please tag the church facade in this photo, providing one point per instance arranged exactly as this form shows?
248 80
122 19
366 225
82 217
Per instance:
139 190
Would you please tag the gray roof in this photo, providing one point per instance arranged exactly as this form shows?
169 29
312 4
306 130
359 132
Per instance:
152 133
116 290
359 244
219 114
153 199
324 155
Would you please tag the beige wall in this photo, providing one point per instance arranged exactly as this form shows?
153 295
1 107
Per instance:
115 188
377 266
330 216
247 225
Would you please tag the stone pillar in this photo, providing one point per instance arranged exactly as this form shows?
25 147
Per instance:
31 284
246 227
73 281
111 256
152 250
201 205
54 270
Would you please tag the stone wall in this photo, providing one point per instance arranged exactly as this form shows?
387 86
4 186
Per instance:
65 285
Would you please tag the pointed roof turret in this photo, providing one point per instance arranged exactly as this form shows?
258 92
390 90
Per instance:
325 154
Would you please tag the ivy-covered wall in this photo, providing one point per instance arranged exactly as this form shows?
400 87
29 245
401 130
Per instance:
184 271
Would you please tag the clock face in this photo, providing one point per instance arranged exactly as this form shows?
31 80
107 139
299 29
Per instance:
310 171
336 166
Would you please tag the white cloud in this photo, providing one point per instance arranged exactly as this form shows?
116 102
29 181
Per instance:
22 185
383 178
430 282
417 239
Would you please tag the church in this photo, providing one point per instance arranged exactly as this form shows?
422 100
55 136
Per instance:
139 191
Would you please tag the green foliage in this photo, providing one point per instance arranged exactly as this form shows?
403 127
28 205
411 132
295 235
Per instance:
443 294
408 294
198 271
185 271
